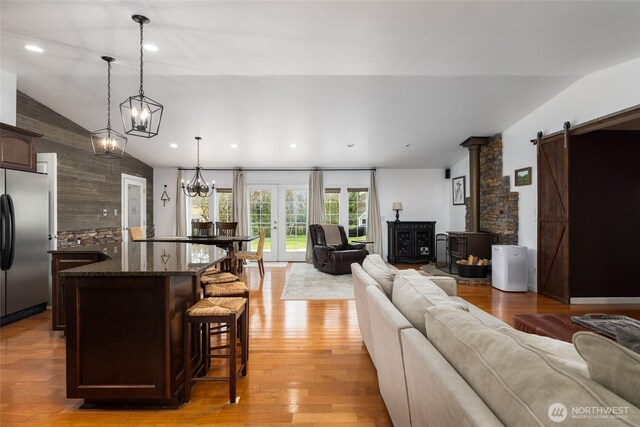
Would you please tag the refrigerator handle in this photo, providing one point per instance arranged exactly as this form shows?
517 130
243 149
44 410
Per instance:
4 224
12 240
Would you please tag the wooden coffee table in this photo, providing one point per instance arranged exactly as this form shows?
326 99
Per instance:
554 325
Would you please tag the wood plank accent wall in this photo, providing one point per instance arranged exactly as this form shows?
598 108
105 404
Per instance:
86 184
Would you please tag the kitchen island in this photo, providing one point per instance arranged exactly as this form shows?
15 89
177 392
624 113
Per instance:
124 322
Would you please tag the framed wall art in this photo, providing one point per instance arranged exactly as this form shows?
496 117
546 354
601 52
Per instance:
523 176
458 190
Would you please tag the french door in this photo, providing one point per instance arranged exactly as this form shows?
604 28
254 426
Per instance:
282 210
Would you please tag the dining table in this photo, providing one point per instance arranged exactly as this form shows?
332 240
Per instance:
226 242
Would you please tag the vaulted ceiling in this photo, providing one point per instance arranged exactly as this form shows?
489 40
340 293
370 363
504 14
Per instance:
403 82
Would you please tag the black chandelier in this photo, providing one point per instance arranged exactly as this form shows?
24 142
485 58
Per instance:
198 186
107 143
141 115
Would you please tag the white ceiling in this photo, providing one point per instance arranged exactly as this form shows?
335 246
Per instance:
264 75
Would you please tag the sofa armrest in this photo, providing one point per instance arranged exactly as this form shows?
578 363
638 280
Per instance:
447 284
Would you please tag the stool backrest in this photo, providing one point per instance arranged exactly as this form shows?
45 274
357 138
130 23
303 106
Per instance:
135 233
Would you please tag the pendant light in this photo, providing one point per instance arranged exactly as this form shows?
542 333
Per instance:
198 186
107 143
141 115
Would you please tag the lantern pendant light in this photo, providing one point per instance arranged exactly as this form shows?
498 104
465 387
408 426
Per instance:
107 143
141 115
197 186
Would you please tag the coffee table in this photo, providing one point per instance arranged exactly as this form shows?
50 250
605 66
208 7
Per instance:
554 325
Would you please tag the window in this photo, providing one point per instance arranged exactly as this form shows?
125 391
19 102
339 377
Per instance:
332 205
225 204
357 213
199 208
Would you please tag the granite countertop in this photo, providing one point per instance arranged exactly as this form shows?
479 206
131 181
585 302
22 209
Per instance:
145 259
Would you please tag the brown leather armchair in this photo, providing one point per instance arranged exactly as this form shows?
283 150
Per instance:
332 252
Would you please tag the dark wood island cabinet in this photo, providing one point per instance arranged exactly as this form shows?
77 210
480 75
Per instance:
124 322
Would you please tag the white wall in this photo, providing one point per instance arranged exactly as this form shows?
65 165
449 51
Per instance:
8 87
424 193
598 94
457 213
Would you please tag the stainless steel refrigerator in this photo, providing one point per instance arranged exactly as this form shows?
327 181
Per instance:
24 229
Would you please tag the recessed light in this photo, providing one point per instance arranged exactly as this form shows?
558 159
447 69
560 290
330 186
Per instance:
173 145
150 47
234 146
351 145
34 48
293 145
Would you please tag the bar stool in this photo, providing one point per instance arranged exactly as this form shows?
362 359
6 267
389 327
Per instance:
220 311
229 290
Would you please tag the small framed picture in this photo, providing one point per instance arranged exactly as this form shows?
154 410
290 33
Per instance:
523 176
458 190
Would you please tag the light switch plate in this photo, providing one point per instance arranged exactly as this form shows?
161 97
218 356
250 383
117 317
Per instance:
115 212
104 212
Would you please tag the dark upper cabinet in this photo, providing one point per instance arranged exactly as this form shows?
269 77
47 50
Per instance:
411 241
17 148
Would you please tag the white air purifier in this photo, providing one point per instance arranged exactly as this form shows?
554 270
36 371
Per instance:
509 266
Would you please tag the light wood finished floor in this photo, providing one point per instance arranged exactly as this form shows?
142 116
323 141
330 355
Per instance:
308 366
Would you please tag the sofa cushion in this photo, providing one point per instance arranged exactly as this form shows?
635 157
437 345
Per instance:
481 315
611 365
518 382
559 353
375 267
413 295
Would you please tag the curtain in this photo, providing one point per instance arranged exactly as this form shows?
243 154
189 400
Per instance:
315 210
374 224
239 209
181 207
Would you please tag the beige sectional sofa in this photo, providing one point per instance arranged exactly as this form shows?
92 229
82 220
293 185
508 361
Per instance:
441 361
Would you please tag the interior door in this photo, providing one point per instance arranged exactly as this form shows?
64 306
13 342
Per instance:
134 204
282 210
553 218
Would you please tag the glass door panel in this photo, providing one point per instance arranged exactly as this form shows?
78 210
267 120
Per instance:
262 203
293 201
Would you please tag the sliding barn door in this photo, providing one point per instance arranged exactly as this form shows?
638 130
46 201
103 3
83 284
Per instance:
553 218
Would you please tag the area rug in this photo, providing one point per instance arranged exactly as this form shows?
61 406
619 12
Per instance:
304 282
270 264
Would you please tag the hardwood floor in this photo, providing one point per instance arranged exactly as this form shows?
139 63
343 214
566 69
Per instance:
308 366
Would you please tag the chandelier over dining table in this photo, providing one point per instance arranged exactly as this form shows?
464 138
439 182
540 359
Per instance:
197 186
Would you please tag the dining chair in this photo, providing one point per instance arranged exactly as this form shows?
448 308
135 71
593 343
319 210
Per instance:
227 229
254 256
135 233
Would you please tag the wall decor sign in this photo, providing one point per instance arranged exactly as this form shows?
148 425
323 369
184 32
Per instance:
458 190
523 176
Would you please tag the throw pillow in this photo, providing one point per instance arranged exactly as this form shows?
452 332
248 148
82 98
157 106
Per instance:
611 365
376 268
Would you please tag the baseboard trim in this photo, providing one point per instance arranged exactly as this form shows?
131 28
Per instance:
606 300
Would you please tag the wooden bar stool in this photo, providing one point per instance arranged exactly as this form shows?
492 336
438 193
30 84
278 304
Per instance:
217 311
228 290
